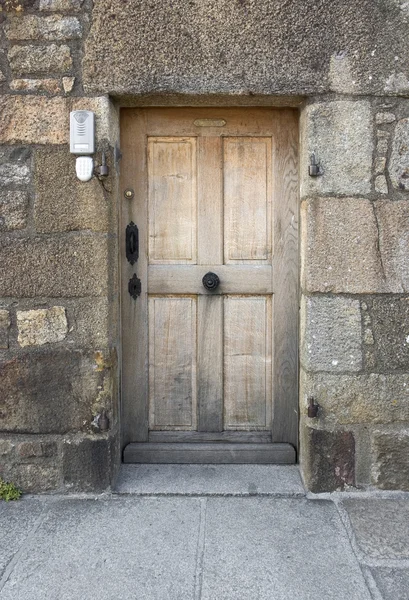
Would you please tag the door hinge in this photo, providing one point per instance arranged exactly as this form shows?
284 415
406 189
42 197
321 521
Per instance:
132 243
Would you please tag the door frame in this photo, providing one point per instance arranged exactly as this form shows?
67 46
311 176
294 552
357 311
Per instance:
285 266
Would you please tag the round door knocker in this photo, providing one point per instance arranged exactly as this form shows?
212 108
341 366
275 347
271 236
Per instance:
210 281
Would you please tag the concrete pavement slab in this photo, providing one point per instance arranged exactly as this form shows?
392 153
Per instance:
114 549
392 583
381 526
17 519
210 480
278 549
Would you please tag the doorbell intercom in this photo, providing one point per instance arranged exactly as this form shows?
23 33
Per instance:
82 141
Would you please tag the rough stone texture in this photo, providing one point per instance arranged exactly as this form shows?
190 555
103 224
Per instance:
6 447
2 76
392 583
393 218
38 399
385 117
40 120
86 464
37 449
390 329
377 524
340 133
51 86
5 323
92 322
380 164
12 173
68 84
53 28
399 161
329 459
61 5
340 246
348 399
245 47
390 470
382 146
63 203
13 209
64 266
330 334
40 59
381 185
42 326
36 478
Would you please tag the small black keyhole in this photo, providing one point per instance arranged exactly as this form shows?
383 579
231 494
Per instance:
132 242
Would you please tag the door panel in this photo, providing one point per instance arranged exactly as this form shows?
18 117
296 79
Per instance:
247 199
172 363
215 190
247 362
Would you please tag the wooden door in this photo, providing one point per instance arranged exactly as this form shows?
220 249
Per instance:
210 375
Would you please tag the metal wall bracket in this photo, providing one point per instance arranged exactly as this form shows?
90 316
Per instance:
132 243
134 286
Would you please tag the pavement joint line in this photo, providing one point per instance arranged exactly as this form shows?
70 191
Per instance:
346 522
295 495
200 550
24 545
371 583
360 495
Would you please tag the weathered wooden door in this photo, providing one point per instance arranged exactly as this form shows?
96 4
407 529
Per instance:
210 344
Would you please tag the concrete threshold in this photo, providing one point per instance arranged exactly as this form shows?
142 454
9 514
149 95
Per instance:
210 480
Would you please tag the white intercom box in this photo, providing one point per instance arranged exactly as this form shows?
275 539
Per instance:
82 132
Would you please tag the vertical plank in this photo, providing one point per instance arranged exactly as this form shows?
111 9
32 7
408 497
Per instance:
286 291
247 199
172 200
134 417
247 362
172 363
210 363
210 207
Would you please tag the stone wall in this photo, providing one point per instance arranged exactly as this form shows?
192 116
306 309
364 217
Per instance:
58 255
355 303
345 64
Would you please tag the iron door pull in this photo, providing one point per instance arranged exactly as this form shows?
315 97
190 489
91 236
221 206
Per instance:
210 281
132 243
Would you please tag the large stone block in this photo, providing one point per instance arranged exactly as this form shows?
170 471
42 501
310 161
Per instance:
328 459
87 464
62 202
40 59
330 334
340 133
50 391
354 399
41 326
93 322
36 478
50 86
5 323
64 266
14 173
244 47
399 160
40 120
340 246
390 330
393 218
53 28
390 469
13 210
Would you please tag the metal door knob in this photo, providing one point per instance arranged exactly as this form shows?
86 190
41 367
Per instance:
210 281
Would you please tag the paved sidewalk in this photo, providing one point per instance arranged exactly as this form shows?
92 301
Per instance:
206 532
